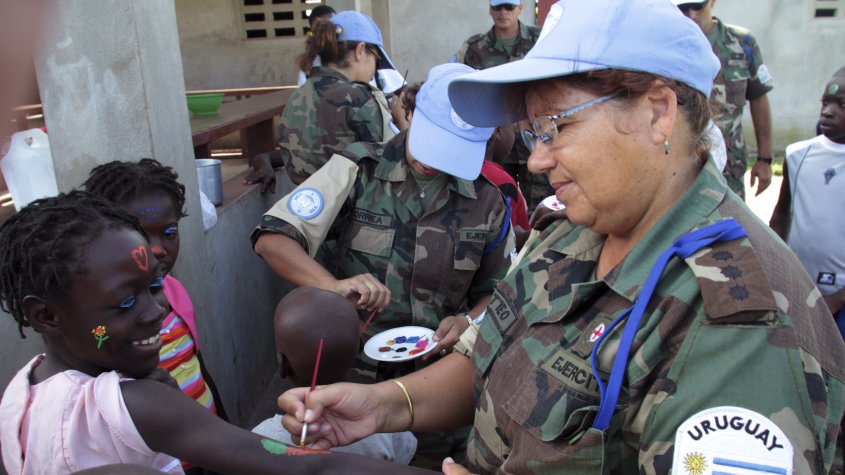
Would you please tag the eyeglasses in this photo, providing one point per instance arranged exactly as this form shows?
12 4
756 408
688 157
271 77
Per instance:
507 6
545 129
686 7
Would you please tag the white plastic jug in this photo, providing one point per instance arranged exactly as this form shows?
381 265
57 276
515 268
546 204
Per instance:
28 167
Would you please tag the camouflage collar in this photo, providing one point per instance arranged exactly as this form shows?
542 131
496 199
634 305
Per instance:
392 166
325 71
719 31
694 209
524 34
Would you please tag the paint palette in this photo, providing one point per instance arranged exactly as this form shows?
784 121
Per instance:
400 344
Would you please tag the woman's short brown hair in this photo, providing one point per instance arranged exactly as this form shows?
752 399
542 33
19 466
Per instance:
629 86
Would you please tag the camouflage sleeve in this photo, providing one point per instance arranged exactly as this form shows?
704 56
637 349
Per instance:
497 255
308 213
761 79
460 55
368 123
739 394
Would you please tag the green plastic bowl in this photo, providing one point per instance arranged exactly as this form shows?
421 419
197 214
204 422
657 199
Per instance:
205 104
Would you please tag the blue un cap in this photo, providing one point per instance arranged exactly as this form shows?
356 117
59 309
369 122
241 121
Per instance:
355 26
439 138
650 36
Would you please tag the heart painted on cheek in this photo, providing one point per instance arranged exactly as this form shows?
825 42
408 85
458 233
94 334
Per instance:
141 258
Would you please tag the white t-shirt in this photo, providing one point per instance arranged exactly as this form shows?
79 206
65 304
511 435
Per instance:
817 233
396 447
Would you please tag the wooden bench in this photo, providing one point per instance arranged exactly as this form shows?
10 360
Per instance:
252 117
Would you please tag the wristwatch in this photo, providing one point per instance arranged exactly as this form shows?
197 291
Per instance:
468 318
765 160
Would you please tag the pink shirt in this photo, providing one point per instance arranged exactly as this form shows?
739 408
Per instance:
69 422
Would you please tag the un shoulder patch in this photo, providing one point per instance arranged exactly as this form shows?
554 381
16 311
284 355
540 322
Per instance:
731 439
306 203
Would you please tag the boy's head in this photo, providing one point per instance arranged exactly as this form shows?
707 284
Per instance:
500 144
305 315
832 116
150 191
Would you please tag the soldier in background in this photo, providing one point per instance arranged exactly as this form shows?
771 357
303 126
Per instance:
743 77
508 40
418 234
336 106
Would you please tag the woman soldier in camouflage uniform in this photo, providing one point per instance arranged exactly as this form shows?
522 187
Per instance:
654 325
336 106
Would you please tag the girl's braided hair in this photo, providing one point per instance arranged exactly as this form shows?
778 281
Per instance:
121 182
42 247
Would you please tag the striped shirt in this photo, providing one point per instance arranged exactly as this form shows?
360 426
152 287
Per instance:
178 356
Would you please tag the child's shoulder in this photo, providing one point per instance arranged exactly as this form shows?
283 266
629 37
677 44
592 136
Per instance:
791 149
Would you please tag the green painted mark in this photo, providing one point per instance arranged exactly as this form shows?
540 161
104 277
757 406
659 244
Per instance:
833 89
274 446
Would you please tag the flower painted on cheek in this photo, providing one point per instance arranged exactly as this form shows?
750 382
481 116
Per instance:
100 334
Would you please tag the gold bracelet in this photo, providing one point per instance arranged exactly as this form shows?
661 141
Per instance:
410 404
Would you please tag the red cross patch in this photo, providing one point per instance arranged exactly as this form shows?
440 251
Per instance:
597 332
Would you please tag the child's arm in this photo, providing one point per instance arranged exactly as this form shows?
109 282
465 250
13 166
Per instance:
212 386
782 214
173 423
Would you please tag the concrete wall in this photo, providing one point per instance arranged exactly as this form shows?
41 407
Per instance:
214 55
801 53
425 34
417 36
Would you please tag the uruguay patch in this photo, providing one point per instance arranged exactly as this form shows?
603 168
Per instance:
306 203
731 439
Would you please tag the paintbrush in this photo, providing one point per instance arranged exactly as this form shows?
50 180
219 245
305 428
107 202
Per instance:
368 320
313 383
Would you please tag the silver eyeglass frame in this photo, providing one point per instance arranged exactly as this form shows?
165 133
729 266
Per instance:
530 137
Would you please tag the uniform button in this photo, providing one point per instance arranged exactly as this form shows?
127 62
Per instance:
379 152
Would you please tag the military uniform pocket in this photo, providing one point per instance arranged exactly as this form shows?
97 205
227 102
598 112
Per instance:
468 255
554 407
369 239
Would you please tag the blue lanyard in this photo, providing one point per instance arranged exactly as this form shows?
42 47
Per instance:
683 247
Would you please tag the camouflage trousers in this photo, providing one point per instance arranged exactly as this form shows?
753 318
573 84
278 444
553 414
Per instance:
734 173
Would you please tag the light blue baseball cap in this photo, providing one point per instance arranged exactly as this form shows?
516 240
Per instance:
439 138
496 3
355 26
651 36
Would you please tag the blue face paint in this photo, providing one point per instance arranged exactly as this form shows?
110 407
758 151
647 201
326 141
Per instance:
171 232
153 214
127 304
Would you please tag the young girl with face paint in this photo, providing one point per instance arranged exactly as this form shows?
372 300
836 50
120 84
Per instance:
152 192
82 274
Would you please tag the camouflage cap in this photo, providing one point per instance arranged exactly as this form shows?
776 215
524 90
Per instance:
439 138
651 36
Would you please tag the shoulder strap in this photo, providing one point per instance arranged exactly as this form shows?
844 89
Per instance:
488 248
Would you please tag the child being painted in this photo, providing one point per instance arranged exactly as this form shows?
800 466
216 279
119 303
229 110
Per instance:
82 274
297 339
152 192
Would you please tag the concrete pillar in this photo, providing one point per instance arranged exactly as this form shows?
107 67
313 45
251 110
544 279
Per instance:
112 87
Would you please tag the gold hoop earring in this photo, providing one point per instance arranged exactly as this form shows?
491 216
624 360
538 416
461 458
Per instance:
666 146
